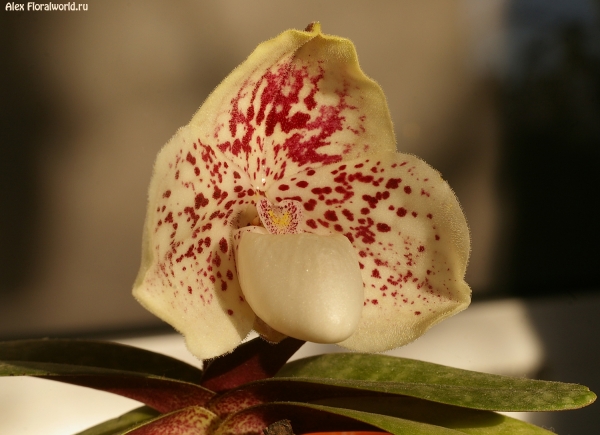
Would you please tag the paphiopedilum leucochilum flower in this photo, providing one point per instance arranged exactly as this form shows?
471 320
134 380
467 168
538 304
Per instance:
284 207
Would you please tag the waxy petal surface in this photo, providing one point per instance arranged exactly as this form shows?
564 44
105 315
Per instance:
306 286
410 234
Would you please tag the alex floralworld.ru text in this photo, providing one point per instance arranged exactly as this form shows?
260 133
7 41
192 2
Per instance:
32 6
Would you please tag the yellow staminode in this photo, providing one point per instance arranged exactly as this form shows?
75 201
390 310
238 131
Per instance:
282 220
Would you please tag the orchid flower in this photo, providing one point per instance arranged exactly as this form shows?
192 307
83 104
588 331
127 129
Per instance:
284 207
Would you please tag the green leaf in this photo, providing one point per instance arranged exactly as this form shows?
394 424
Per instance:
317 418
99 354
254 360
192 420
162 394
188 421
386 374
461 420
122 423
464 420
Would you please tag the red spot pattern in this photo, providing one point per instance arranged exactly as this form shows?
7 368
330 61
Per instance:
310 205
277 111
277 140
383 228
223 245
330 215
370 210
272 216
198 231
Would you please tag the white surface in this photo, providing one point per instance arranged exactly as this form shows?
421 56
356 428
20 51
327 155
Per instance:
304 285
494 337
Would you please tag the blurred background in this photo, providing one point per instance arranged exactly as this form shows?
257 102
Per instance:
501 96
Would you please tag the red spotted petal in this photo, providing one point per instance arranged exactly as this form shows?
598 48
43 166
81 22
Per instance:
188 276
299 100
410 234
286 121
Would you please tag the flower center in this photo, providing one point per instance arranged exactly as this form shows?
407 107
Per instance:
304 285
284 218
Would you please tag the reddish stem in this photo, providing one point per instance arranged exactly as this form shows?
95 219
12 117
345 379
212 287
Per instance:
252 361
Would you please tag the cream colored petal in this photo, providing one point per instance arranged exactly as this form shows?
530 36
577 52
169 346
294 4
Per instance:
298 106
188 276
410 235
299 99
